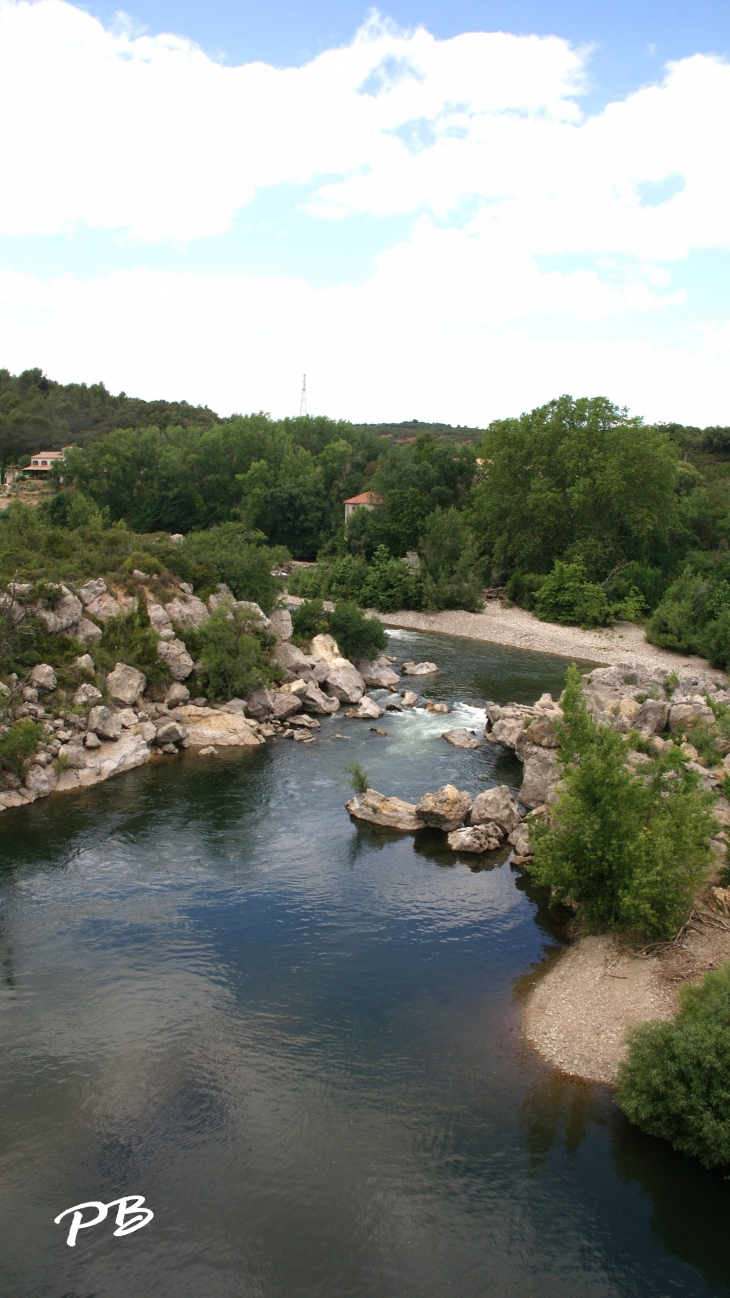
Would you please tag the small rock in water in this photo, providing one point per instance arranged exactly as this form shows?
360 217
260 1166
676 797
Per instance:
210 751
410 699
437 707
445 809
419 669
476 839
461 738
366 710
377 731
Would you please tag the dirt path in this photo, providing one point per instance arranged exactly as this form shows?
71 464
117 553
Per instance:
514 626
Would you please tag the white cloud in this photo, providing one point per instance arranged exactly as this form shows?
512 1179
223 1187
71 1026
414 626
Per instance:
479 138
241 343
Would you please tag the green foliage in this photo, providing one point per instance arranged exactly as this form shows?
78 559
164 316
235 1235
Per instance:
631 851
359 779
131 639
309 620
146 563
567 596
578 481
358 636
694 616
232 553
675 1082
18 744
233 662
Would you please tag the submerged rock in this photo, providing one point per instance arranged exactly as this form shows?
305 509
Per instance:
461 738
389 813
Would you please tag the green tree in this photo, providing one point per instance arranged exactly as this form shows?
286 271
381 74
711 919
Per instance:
632 851
675 1081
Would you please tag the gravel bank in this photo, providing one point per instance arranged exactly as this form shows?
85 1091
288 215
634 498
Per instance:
522 630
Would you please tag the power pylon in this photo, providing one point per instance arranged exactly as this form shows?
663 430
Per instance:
303 401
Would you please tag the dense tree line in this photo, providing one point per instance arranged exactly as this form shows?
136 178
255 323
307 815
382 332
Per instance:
579 511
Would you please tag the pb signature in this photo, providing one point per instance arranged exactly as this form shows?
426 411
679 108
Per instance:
131 1215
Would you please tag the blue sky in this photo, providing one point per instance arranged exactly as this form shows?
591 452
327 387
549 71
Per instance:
431 219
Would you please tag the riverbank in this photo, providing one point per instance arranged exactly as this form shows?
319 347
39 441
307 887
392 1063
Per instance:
579 1012
518 629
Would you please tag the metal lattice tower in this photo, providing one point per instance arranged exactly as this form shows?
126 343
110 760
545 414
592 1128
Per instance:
303 401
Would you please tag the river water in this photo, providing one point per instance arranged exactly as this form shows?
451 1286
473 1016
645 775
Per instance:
299 1040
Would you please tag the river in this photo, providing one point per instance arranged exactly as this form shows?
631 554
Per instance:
300 1041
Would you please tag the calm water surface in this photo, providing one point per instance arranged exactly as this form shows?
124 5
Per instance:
300 1041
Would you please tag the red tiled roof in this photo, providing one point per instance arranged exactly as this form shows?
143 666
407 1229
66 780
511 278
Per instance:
366 498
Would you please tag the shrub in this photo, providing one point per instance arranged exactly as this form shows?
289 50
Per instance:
675 1082
309 619
566 596
358 636
631 851
142 561
19 743
233 662
131 639
359 779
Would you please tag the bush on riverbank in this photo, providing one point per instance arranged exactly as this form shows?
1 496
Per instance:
20 741
357 636
675 1082
233 661
694 615
631 851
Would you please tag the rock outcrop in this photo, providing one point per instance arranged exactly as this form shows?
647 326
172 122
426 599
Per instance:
495 806
176 658
389 813
344 682
206 726
445 809
125 684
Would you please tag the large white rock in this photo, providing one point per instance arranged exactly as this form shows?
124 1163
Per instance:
475 839
542 773
326 648
290 658
318 703
344 682
496 805
445 809
367 710
125 684
281 624
43 677
41 780
104 723
87 632
377 675
91 591
207 726
104 607
101 763
159 619
176 658
187 610
65 613
461 738
85 695
389 813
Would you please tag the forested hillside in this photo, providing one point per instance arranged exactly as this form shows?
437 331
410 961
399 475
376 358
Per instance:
578 511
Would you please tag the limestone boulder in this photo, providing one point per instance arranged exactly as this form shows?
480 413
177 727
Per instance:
682 716
285 706
260 704
108 760
125 684
43 677
176 658
291 659
86 632
461 738
73 756
388 813
326 648
409 699
281 625
378 675
187 611
541 730
85 662
419 669
66 612
159 618
496 805
177 694
91 591
318 703
344 682
652 717
104 607
298 687
85 696
169 732
104 723
520 841
476 839
41 780
445 809
541 776
207 726
366 710
128 717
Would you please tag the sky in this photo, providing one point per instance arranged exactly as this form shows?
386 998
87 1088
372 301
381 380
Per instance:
443 211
